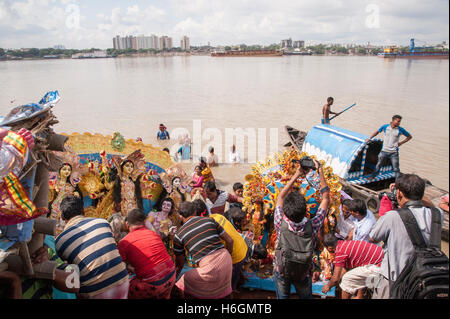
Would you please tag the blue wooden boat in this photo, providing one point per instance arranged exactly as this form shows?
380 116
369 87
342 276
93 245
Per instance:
353 160
348 153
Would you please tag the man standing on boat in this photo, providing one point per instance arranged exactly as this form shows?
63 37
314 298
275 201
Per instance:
391 144
326 111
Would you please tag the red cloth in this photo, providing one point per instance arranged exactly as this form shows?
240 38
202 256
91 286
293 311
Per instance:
355 253
143 249
140 289
385 206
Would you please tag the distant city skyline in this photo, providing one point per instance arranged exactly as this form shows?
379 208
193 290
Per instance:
80 24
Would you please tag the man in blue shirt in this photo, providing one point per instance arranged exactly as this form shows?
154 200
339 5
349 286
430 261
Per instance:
391 144
162 133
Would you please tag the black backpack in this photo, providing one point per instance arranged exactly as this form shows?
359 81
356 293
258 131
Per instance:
293 255
426 274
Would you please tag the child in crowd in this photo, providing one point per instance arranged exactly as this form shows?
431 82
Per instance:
197 183
237 218
254 251
206 171
238 190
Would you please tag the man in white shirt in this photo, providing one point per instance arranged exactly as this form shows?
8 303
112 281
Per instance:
234 155
364 220
346 222
212 159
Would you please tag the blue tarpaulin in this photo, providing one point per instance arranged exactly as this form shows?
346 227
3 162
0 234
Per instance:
340 148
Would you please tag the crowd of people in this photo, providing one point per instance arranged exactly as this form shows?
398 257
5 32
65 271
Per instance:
197 247
149 261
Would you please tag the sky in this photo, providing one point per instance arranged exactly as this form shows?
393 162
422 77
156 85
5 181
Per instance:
80 24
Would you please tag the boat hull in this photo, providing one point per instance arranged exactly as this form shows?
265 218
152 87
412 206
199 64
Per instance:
413 55
269 53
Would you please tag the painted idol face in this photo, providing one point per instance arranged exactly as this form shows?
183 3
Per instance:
65 171
166 207
176 182
128 168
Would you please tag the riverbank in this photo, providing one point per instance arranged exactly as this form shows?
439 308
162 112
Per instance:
160 54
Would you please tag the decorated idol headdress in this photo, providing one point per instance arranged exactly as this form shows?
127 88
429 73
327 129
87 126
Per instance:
171 173
138 160
71 158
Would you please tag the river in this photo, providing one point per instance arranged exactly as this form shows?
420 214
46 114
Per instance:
133 95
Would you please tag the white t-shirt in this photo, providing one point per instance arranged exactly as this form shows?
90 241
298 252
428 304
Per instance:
363 227
234 157
212 158
345 225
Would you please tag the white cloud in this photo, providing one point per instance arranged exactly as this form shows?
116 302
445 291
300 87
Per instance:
43 22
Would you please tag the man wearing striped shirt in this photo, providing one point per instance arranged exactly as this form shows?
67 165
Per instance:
354 262
89 244
200 237
216 199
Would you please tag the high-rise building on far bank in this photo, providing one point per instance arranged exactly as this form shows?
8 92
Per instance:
299 44
165 43
184 43
142 42
286 43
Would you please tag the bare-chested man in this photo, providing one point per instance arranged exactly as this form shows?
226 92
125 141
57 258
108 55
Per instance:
326 111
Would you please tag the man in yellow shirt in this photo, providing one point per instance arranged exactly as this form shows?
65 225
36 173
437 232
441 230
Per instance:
239 248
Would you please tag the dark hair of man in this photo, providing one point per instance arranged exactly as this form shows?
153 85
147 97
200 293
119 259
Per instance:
259 252
359 206
200 207
71 206
396 117
347 190
203 160
170 200
411 185
186 209
330 240
237 186
294 207
347 202
235 215
136 217
166 150
210 186
330 99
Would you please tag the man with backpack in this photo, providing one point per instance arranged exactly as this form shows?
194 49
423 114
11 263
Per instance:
416 221
296 238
